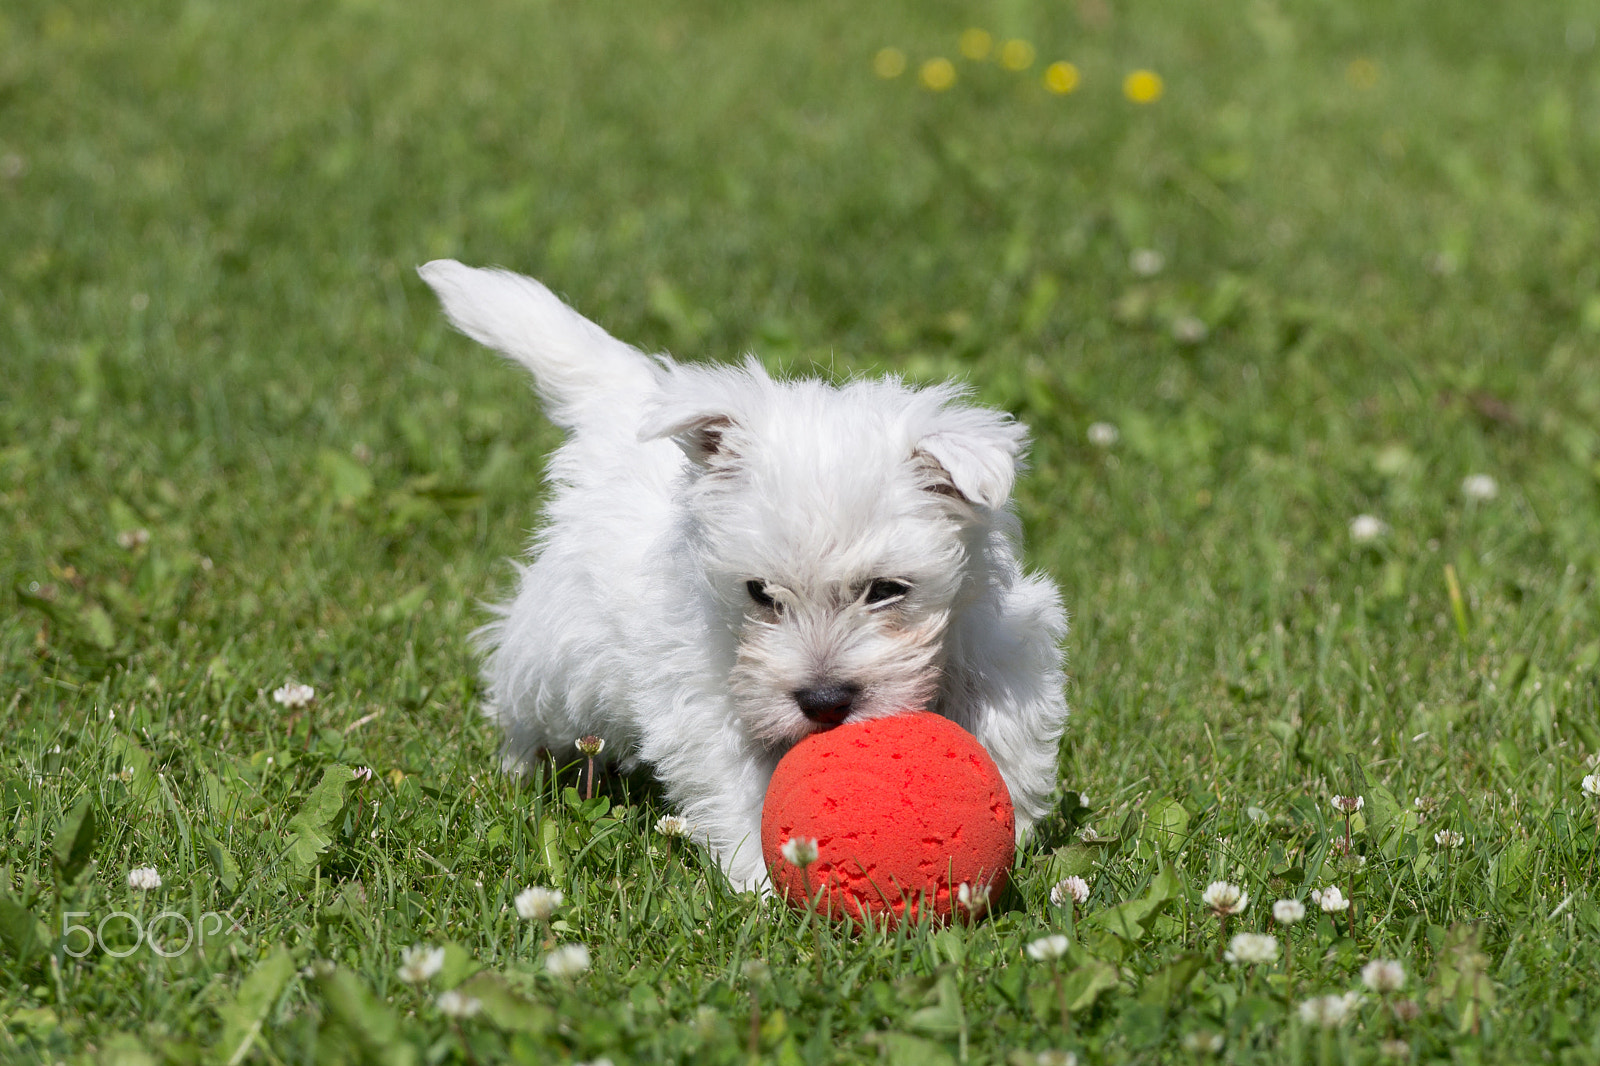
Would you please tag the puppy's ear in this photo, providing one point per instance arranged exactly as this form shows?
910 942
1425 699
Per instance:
701 434
972 454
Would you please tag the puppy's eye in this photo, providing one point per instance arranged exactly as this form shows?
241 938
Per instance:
758 593
885 591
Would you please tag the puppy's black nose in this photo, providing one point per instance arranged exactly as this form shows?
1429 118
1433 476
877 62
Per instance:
827 704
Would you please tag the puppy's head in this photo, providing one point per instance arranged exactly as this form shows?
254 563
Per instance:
838 530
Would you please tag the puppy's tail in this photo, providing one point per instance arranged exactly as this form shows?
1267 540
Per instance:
581 371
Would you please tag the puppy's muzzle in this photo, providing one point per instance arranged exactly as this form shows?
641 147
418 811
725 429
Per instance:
827 704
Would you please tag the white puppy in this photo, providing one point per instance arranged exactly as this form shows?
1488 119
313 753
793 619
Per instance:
731 562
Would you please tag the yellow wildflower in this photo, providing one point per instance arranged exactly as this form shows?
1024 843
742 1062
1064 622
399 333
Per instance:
938 74
976 43
1361 73
1061 78
889 63
1143 86
1016 55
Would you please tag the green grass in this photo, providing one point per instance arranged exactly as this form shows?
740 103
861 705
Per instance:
211 331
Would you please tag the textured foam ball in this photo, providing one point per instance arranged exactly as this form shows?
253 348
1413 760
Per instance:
904 810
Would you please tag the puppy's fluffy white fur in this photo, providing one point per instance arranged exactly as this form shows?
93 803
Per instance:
730 562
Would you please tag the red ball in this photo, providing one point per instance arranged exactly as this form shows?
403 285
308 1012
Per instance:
903 809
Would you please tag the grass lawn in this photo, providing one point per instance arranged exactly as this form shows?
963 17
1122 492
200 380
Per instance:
1340 259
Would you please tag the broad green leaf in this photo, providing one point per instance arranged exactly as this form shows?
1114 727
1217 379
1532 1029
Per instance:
348 481
75 840
1508 871
1084 985
244 1015
135 765
550 851
1169 985
95 623
23 935
1167 825
1130 919
1072 860
903 1049
124 1049
1383 817
945 1017
222 862
368 1021
36 1021
459 964
309 834
504 1008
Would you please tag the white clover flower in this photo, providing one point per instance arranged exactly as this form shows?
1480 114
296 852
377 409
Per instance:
1052 1057
1329 1011
672 825
1073 889
1349 804
125 775
456 1005
1146 262
1591 784
538 903
1249 949
756 971
144 878
973 898
1383 975
294 695
1187 329
1448 838
1479 487
1103 435
1225 899
801 851
1394 1049
131 539
1288 911
568 960
1330 899
1047 948
418 963
591 745
1592 761
1202 1042
1365 528
362 774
